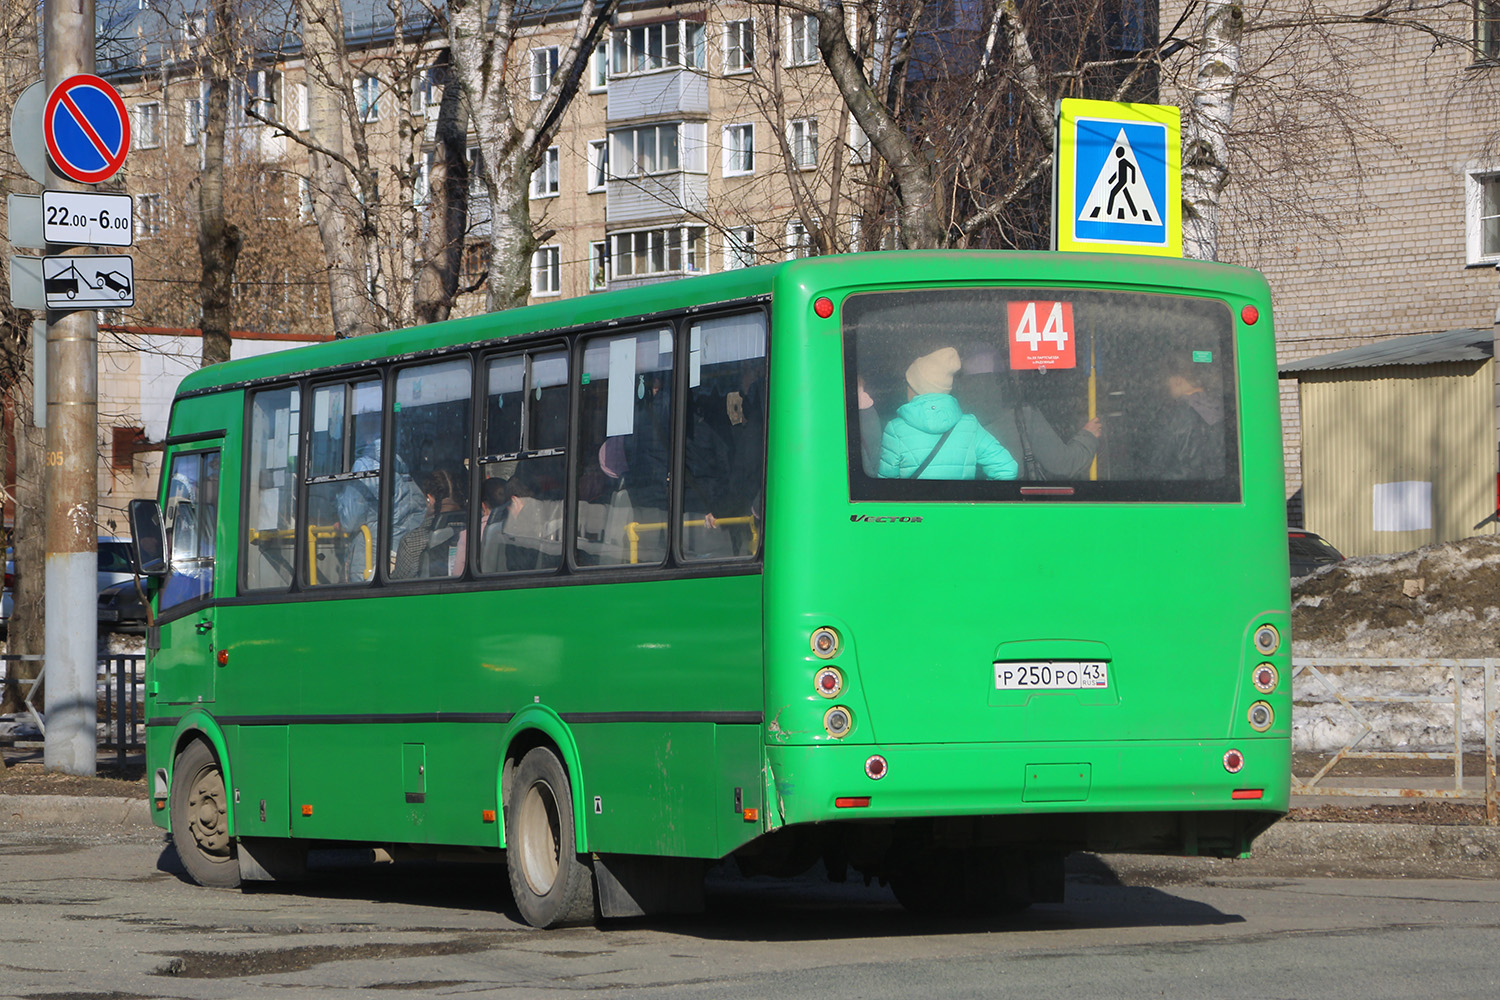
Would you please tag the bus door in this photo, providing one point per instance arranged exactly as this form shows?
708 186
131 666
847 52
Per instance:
183 667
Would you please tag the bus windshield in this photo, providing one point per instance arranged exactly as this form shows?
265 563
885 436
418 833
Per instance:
983 393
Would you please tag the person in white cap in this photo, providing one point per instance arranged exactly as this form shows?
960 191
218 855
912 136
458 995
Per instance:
931 437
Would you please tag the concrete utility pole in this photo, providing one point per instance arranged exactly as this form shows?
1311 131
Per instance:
70 465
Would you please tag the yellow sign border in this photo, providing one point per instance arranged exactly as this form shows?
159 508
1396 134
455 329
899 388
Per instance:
1065 211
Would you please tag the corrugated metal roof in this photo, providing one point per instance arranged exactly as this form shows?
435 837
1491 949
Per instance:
1470 344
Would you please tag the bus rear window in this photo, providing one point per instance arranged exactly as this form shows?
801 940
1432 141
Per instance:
987 393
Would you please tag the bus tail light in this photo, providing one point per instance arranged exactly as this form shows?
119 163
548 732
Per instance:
1248 793
1265 678
837 721
852 802
1261 717
825 643
829 682
1234 762
1267 640
875 767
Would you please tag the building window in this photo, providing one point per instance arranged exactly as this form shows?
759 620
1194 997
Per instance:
474 264
299 104
598 164
802 40
128 441
652 149
599 69
427 92
367 97
859 142
599 265
544 179
148 125
305 210
194 118
421 187
1487 28
543 70
739 150
148 214
802 137
739 248
546 271
739 46
1484 217
658 251
647 48
260 92
798 240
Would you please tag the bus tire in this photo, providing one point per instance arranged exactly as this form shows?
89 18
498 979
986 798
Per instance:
552 886
200 819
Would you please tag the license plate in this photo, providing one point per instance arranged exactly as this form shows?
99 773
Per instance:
1050 675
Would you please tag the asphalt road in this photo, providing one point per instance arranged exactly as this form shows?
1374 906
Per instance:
108 917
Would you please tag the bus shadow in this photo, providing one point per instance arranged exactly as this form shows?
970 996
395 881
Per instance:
743 908
813 908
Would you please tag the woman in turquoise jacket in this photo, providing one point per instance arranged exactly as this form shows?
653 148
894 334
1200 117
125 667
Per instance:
931 437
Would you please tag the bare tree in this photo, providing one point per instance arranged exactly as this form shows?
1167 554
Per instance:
20 66
219 240
485 41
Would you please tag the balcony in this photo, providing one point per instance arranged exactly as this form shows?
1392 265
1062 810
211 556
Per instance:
666 94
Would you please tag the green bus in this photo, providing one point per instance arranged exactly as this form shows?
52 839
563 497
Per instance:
936 566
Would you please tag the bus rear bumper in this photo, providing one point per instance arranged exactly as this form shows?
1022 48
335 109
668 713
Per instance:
1177 797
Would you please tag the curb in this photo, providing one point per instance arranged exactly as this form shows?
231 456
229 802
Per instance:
75 813
1379 841
1286 840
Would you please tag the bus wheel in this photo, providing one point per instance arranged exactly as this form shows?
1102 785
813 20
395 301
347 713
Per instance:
200 819
552 887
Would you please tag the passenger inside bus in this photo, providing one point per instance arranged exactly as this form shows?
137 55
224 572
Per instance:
1190 432
996 399
930 437
430 549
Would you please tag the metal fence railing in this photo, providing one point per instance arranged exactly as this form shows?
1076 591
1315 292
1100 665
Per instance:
121 718
1412 710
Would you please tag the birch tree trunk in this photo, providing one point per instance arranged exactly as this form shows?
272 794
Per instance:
347 238
443 246
1205 147
219 240
513 128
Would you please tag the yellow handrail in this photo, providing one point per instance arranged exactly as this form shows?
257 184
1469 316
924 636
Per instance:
634 528
315 534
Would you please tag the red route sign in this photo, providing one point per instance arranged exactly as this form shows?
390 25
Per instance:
87 129
1041 335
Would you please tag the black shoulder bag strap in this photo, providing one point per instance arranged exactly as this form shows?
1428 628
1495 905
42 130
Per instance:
932 454
1030 465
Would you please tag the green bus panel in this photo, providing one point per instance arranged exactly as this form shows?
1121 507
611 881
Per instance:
260 763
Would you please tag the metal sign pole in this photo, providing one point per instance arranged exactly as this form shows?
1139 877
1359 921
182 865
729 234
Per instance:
71 466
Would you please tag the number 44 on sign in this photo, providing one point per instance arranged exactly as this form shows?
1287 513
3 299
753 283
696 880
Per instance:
1041 335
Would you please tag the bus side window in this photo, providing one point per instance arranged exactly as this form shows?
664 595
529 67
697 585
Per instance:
429 499
624 448
192 518
522 465
724 454
342 536
271 535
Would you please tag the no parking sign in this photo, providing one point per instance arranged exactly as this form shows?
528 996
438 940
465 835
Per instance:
87 129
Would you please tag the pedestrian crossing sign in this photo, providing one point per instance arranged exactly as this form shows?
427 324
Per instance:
1118 186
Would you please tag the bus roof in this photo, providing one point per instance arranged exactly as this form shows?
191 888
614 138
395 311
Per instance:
822 274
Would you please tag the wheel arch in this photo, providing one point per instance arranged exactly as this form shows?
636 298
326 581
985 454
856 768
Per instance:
539 726
202 727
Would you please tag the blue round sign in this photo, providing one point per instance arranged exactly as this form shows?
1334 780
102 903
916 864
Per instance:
87 129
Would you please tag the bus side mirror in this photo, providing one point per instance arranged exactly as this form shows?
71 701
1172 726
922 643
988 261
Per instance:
147 537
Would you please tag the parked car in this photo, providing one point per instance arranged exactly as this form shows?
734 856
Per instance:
1309 551
121 608
116 568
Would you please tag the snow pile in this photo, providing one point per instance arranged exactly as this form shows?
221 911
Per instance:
1438 602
